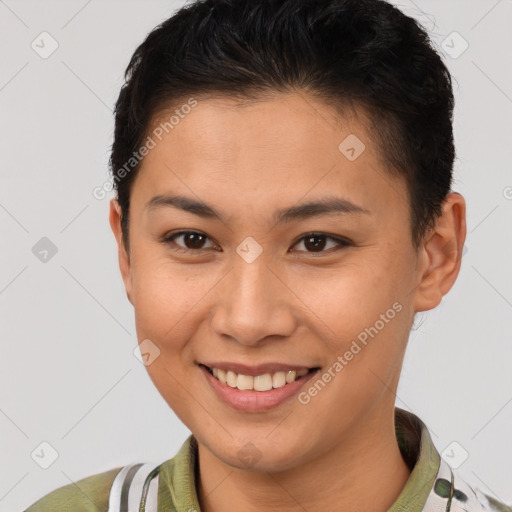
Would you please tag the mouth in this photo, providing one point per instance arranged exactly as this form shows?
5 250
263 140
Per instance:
259 382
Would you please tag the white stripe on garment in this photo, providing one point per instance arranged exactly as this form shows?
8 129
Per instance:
135 493
114 502
152 497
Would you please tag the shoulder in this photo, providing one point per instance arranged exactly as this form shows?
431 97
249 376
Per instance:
90 494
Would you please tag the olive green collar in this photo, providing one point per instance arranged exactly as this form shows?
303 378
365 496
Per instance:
419 451
177 487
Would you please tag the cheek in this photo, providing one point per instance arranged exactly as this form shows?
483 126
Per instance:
361 315
364 343
351 297
168 300
167 313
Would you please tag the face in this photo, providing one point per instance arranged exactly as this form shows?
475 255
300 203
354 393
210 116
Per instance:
238 282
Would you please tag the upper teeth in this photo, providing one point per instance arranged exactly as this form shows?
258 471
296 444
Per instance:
263 382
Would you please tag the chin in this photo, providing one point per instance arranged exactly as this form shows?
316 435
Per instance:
260 452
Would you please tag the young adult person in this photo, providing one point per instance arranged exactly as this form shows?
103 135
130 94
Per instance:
283 210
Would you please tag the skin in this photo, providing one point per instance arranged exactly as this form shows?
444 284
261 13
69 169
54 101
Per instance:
292 304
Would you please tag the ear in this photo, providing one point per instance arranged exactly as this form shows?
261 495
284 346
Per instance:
123 255
440 255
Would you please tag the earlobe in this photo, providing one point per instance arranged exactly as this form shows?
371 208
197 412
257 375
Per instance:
441 254
123 256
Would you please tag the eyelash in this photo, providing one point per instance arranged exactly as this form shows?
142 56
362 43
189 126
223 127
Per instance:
172 236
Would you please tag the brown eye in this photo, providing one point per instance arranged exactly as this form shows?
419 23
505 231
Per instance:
192 241
317 242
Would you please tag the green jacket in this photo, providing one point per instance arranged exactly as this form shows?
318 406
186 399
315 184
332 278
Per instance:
432 486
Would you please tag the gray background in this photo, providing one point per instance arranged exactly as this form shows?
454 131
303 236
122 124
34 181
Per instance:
68 375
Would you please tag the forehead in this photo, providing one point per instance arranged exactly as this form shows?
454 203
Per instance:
278 149
292 125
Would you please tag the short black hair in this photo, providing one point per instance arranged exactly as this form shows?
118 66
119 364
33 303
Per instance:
346 52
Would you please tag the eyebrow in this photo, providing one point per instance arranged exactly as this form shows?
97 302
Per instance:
327 205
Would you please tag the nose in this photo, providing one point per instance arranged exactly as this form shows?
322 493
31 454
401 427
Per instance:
254 304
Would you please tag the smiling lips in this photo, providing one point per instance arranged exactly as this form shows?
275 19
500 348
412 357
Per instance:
263 378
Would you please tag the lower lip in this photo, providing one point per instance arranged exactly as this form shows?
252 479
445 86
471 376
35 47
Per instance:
255 401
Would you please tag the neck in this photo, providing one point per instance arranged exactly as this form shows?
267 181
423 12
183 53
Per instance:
364 471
